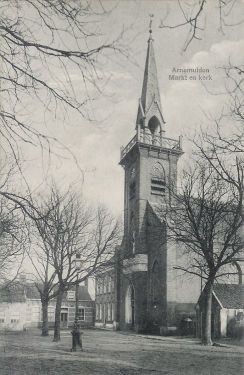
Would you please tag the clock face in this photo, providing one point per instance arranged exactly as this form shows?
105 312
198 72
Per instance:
132 173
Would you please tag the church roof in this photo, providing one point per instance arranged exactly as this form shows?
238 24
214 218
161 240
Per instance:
150 89
231 296
157 210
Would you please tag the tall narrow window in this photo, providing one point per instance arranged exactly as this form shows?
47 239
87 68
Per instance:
109 312
154 127
112 284
132 186
112 311
132 189
105 284
97 310
132 235
158 183
81 314
98 286
100 311
156 285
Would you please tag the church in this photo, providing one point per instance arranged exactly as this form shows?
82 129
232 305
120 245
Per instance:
148 293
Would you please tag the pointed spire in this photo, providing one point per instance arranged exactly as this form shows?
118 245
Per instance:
150 96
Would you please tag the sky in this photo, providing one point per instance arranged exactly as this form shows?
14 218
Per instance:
186 105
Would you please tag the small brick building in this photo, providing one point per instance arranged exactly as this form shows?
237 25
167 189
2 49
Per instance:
86 308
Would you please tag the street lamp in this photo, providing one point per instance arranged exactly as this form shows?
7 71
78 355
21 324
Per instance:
78 267
76 339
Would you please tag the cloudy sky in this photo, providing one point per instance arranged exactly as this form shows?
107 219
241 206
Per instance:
186 104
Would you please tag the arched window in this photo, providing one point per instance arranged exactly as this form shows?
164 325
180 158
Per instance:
158 180
154 125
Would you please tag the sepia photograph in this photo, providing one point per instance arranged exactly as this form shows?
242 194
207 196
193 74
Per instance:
121 187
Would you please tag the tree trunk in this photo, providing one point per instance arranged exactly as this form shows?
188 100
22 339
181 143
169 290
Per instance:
206 337
56 336
45 331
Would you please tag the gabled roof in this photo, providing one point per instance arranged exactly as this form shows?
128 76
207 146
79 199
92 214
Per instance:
230 296
83 293
12 294
20 293
157 210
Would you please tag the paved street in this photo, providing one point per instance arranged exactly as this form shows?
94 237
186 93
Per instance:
113 353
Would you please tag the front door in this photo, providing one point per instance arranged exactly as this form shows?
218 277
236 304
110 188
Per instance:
64 319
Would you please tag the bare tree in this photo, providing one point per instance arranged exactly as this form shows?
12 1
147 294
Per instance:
206 216
13 241
193 14
43 43
69 228
215 192
44 274
223 146
13 234
18 212
224 141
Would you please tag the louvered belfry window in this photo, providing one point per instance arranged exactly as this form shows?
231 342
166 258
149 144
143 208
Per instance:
158 183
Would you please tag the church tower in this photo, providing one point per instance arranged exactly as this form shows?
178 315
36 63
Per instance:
150 165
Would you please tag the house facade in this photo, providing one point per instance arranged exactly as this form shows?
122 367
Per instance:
86 308
20 308
105 299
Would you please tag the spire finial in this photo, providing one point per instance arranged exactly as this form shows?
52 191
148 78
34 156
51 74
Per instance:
150 25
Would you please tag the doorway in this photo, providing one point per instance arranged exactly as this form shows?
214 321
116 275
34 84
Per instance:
64 318
130 307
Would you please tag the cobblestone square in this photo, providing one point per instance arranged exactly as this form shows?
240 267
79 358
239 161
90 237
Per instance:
110 353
